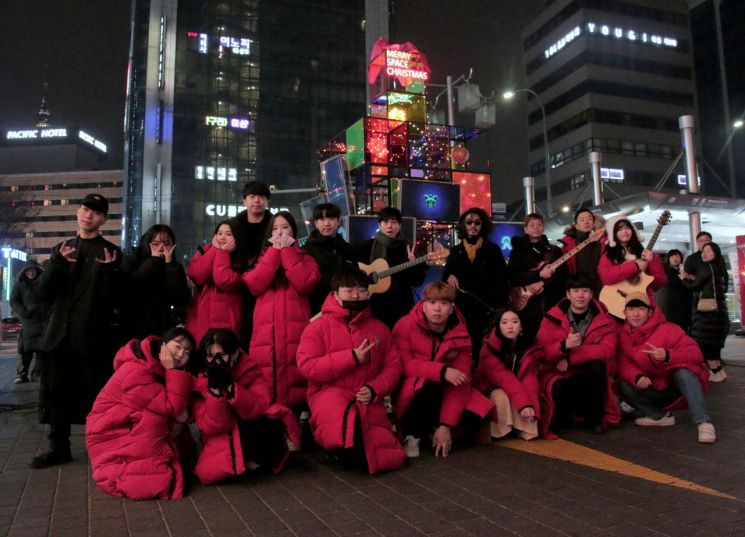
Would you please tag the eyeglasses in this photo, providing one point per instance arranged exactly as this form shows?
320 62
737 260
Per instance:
359 291
472 222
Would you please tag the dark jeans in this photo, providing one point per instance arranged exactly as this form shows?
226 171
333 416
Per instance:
423 416
263 441
582 395
651 402
24 363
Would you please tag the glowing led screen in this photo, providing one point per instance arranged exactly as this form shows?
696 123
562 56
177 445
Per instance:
334 175
502 235
430 200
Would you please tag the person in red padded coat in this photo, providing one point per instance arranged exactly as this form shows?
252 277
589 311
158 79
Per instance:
216 271
230 403
282 280
578 338
661 369
507 370
435 393
134 435
346 356
625 257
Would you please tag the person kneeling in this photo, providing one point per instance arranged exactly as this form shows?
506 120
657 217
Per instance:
661 369
134 433
507 369
436 393
346 356
230 411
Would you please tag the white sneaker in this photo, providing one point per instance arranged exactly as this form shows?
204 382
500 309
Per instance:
627 408
668 420
706 433
411 446
718 376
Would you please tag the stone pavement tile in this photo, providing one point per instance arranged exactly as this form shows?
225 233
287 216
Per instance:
395 526
145 523
68 532
178 524
237 533
102 526
28 532
311 528
481 527
273 533
672 528
348 527
71 519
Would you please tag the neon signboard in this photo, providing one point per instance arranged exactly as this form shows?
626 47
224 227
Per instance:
215 173
198 41
36 134
216 121
221 209
614 174
405 66
616 32
240 45
240 123
98 144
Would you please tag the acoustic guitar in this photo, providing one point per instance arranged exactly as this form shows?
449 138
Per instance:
614 296
380 274
520 296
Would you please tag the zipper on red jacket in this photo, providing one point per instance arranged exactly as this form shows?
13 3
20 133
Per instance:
344 422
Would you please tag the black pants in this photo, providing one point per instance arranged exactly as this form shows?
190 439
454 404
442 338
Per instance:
649 402
423 416
25 363
263 441
582 394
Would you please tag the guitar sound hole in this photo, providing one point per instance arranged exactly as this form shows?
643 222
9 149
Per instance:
373 278
634 280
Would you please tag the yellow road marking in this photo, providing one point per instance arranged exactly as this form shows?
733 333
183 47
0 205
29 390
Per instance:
577 454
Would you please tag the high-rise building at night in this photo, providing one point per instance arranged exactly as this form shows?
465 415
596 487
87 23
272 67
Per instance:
719 62
614 76
221 92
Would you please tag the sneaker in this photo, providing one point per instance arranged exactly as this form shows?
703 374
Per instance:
717 375
668 420
21 380
706 433
51 458
627 408
411 446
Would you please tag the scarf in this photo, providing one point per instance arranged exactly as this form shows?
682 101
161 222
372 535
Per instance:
472 249
380 245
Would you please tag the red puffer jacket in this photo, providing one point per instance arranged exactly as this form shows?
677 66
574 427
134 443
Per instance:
599 343
424 361
218 302
334 377
282 313
217 420
128 431
521 386
611 273
683 350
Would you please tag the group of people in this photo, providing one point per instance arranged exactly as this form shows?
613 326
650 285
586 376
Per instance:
260 341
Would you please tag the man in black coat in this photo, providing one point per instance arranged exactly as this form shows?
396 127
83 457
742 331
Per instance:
329 249
388 244
477 267
527 268
81 284
251 233
31 310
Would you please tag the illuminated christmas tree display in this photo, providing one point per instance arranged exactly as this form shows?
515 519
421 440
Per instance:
396 156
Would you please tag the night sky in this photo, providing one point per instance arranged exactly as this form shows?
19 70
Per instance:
81 49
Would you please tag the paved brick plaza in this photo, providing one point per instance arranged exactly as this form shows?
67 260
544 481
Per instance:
486 490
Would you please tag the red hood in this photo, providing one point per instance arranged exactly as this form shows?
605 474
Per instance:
332 307
647 329
140 352
456 327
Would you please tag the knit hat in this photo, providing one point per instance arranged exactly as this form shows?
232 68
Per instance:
611 223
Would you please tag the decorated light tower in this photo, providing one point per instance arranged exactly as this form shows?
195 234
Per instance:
395 156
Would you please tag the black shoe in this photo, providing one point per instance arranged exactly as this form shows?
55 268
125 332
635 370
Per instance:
51 458
21 379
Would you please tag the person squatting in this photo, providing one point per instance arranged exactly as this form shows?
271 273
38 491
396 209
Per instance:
259 347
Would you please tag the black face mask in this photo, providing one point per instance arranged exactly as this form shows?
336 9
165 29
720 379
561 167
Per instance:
354 306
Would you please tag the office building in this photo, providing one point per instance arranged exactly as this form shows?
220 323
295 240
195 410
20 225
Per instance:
614 76
719 68
222 92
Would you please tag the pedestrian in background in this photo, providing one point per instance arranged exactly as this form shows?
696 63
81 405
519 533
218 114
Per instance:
674 298
31 311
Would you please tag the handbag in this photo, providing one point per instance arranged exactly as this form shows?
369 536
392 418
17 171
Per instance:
709 304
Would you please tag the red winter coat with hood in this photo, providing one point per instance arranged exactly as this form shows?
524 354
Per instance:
683 350
282 280
217 420
218 302
128 431
521 386
598 343
424 360
611 273
325 358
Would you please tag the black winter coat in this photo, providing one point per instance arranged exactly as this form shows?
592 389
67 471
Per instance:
710 328
390 306
524 259
331 254
30 309
674 299
156 296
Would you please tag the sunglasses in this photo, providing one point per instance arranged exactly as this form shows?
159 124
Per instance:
472 222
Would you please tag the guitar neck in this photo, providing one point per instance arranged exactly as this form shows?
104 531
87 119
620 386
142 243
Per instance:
402 266
653 240
571 253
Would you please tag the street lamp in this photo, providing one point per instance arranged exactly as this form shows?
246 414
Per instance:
737 124
507 95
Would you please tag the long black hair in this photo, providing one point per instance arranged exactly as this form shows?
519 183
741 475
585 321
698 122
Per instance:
617 253
142 251
486 225
507 346
287 215
220 336
238 257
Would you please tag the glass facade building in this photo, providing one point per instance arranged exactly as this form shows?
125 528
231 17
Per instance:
221 92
